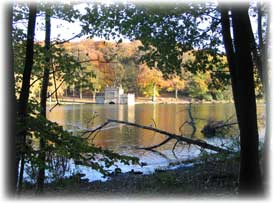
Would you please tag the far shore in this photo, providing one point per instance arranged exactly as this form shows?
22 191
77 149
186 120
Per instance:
142 100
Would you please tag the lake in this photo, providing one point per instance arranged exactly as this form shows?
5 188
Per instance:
169 117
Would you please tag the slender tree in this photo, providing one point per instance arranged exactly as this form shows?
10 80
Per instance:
24 94
43 100
228 44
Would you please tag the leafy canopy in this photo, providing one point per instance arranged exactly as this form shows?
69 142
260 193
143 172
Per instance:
166 31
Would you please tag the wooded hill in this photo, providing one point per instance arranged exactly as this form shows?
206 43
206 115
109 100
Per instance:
107 63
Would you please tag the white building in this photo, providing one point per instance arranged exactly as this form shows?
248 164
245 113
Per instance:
115 95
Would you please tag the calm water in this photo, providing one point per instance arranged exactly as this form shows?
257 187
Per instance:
124 139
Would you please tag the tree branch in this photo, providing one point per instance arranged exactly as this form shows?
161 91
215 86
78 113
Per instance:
192 122
56 89
157 145
199 143
40 77
95 129
97 60
67 40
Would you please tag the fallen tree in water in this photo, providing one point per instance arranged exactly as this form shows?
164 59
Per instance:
213 128
217 128
170 136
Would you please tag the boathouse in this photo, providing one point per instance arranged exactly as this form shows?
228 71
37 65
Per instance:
115 95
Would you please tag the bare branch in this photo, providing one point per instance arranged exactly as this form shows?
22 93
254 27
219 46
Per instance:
154 122
97 60
67 40
95 129
157 145
96 133
199 143
159 153
56 89
54 80
192 122
40 77
225 125
174 146
54 106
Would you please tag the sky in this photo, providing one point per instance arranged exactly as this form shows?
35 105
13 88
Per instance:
64 30
60 28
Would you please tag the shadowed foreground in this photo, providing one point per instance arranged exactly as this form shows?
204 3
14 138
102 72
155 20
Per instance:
209 179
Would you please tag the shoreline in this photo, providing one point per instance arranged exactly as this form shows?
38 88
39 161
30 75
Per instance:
144 100
209 179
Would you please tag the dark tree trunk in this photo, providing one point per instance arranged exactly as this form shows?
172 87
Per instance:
225 21
43 102
11 100
256 52
250 176
24 95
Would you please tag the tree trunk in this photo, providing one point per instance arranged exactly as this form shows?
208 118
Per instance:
11 100
250 176
80 91
176 93
43 102
257 50
230 56
24 95
73 90
94 95
154 93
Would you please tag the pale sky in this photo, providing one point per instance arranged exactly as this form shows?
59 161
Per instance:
59 28
62 29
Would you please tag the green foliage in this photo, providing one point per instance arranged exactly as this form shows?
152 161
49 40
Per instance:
198 86
148 90
129 81
258 84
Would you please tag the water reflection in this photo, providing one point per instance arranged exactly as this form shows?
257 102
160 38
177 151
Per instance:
124 139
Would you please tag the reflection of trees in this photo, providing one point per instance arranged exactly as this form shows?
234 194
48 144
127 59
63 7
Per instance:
131 113
120 114
167 117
